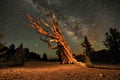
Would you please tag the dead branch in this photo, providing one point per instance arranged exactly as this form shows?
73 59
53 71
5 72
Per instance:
55 35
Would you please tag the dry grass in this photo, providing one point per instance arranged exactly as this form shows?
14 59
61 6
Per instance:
56 71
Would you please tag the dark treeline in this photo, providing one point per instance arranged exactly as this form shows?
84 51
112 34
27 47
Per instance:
111 54
11 51
19 55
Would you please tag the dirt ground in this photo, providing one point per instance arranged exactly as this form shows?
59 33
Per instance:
56 71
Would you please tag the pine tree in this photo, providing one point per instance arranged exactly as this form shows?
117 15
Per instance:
20 58
87 51
44 58
112 42
59 53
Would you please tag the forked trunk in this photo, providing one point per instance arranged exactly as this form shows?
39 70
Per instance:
66 53
54 34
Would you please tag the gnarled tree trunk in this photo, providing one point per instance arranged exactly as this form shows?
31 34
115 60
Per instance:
53 34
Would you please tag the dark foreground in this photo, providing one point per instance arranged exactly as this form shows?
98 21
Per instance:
56 71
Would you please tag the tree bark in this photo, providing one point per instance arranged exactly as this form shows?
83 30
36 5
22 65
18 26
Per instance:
54 34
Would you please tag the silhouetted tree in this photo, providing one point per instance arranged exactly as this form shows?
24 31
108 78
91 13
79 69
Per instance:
34 56
87 46
1 45
112 42
4 54
59 53
88 50
27 54
12 50
20 59
3 50
44 57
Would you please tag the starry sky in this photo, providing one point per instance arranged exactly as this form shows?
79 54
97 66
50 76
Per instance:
76 18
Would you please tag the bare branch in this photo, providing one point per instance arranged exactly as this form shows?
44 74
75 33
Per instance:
53 35
46 25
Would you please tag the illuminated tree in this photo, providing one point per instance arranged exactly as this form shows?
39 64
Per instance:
53 35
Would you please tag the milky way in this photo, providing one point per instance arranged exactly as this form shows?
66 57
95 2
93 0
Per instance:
83 17
77 18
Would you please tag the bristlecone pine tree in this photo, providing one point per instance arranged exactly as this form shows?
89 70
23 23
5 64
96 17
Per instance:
87 52
54 35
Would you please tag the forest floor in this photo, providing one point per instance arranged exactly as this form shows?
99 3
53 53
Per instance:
56 71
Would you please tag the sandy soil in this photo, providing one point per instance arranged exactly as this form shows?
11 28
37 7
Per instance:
56 71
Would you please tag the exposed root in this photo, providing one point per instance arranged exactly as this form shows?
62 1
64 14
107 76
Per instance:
81 64
71 61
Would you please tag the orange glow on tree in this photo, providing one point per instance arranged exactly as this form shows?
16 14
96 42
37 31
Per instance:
54 34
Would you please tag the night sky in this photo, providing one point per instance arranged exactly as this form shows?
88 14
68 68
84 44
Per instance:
77 18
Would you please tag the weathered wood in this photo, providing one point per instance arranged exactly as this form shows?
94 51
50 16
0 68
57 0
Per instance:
54 33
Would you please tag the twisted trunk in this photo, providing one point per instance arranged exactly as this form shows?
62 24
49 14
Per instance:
54 34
